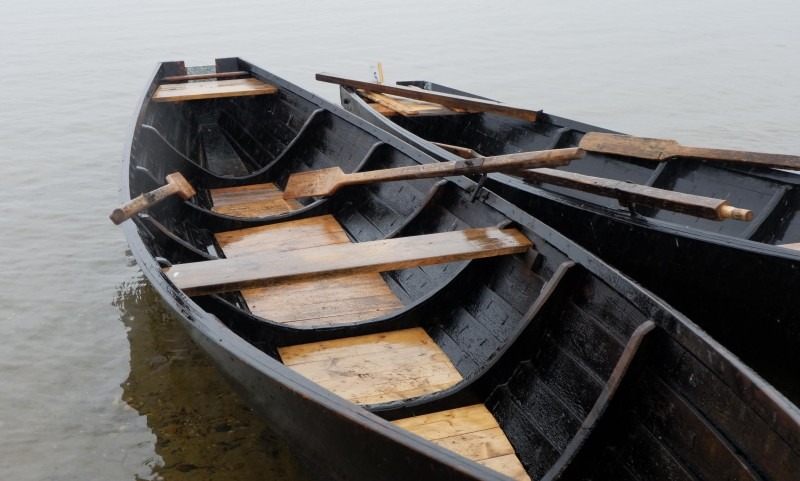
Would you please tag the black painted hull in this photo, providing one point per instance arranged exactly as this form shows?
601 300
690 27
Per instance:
560 347
729 277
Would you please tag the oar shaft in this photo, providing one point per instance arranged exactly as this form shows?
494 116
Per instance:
500 163
737 156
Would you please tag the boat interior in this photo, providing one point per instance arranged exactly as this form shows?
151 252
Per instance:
772 195
425 304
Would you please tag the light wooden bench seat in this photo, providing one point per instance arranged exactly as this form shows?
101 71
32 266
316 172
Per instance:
263 269
472 432
259 200
377 367
209 89
321 302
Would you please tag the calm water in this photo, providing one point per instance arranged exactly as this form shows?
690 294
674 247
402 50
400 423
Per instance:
96 381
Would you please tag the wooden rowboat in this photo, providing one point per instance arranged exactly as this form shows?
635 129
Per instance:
737 280
422 329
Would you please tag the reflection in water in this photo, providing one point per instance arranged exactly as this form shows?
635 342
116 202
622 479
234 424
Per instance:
203 430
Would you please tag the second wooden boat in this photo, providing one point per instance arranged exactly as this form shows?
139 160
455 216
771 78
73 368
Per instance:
422 329
737 280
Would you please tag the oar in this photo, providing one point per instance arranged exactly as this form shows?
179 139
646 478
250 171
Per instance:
320 183
660 149
627 193
176 184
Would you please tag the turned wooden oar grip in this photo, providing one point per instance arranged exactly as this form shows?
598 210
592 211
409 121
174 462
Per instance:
176 184
730 212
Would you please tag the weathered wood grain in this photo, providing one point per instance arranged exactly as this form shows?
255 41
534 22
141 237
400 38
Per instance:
661 149
211 89
470 431
260 270
258 200
389 366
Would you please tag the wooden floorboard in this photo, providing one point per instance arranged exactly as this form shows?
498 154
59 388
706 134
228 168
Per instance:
472 432
210 89
309 303
259 200
377 367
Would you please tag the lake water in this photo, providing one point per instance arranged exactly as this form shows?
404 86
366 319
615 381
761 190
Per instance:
96 380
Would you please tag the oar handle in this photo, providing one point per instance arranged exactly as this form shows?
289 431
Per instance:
500 163
176 184
730 212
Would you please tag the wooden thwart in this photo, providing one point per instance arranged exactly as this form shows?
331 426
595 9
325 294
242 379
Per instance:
448 100
472 432
212 89
377 367
325 182
260 270
258 200
660 149
627 194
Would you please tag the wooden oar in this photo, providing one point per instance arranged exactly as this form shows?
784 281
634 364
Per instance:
176 184
320 183
627 193
660 149
448 100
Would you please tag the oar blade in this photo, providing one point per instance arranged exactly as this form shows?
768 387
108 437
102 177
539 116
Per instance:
638 147
315 183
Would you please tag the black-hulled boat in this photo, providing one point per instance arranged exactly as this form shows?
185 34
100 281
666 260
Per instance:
737 280
497 346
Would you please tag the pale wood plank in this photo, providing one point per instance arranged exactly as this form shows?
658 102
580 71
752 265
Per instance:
341 319
508 465
246 193
212 89
362 307
387 365
292 235
448 423
259 200
472 432
407 107
406 393
352 346
214 276
795 246
308 303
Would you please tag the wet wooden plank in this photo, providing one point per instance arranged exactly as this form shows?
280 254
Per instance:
407 107
212 89
286 236
472 432
322 302
336 300
375 367
209 277
259 200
